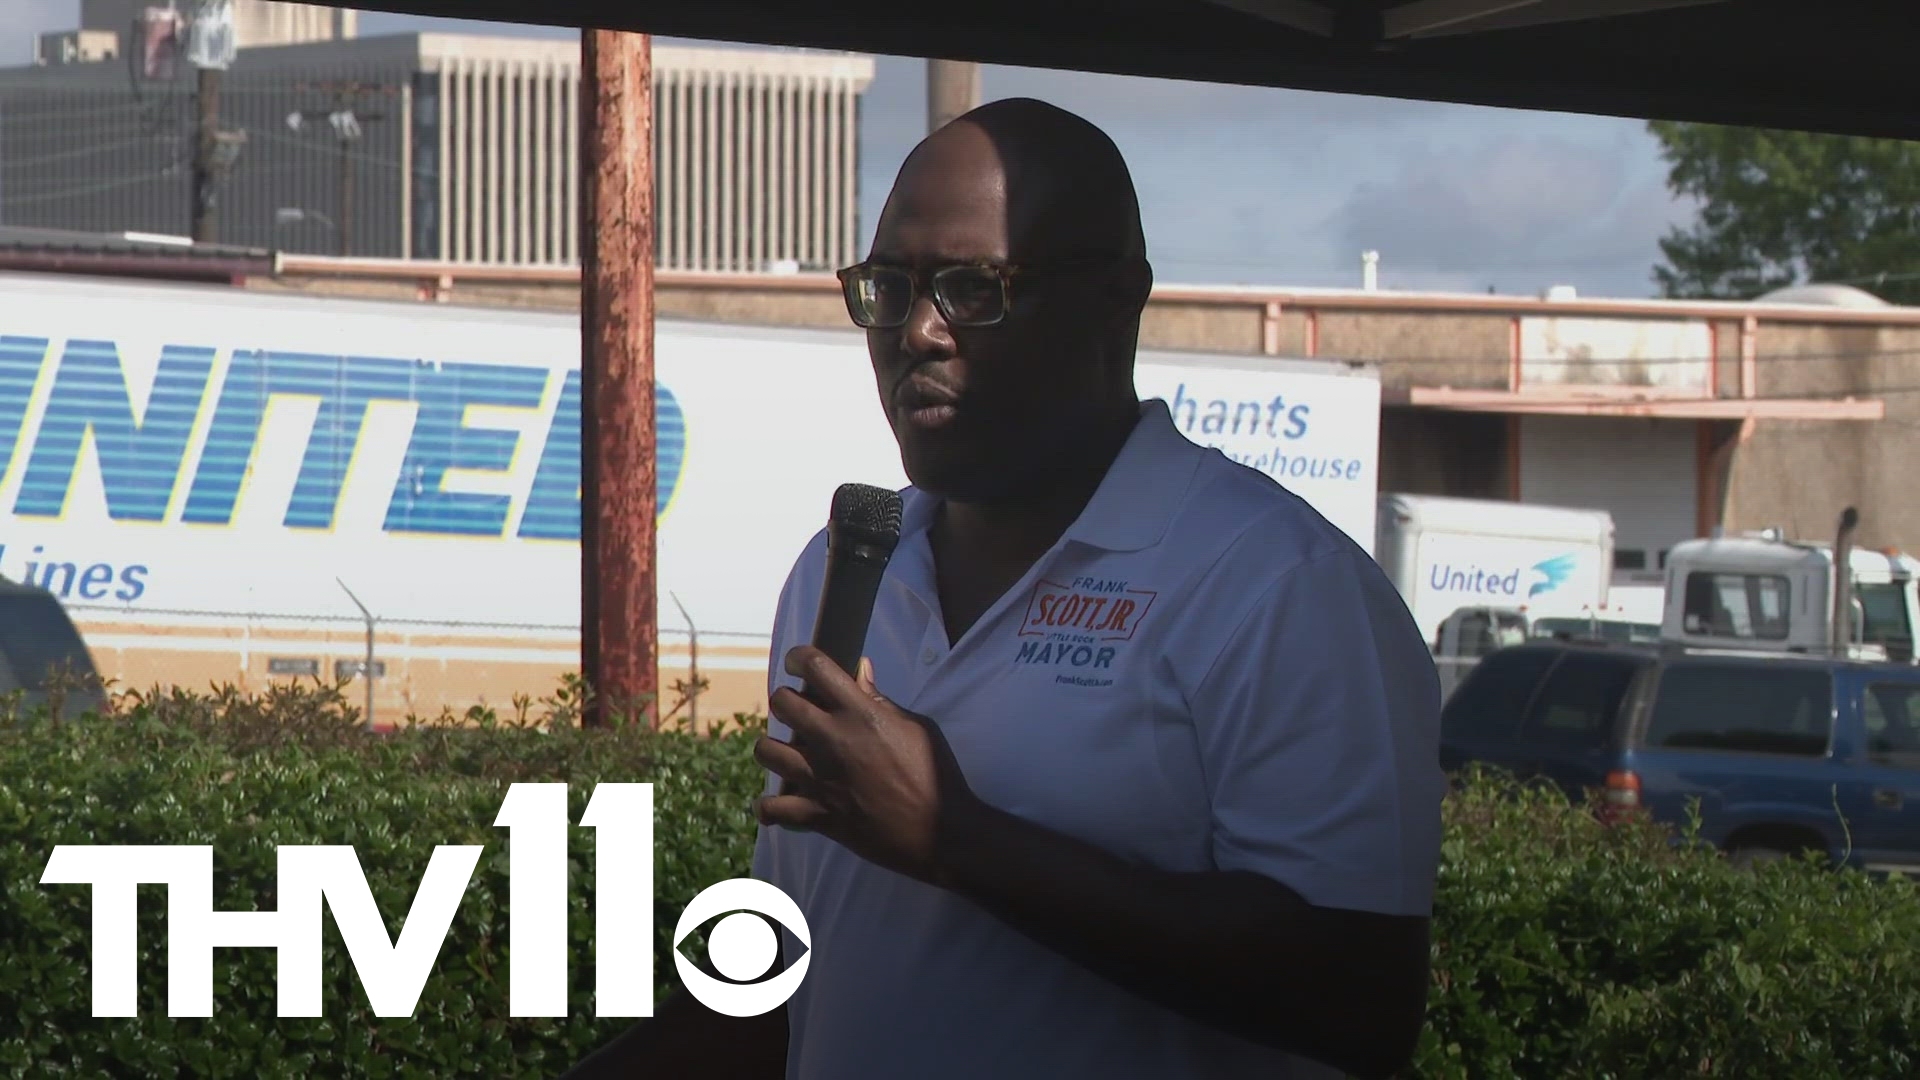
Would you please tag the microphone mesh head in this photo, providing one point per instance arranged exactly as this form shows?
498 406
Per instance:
867 508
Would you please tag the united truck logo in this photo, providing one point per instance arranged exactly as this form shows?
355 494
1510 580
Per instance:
1553 573
1543 577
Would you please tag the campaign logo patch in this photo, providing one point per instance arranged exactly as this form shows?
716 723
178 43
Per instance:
1073 628
1098 609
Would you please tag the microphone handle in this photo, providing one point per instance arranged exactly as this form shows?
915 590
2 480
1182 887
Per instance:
855 569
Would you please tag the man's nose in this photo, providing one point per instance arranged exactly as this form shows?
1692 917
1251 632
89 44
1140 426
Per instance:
926 330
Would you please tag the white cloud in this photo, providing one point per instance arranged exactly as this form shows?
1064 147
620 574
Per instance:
1507 203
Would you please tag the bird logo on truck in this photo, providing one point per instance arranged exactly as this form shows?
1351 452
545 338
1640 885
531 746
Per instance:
1553 573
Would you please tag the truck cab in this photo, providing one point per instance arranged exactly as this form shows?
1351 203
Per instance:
1761 592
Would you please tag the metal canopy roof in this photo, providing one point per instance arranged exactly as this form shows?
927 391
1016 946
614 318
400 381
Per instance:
135 254
1823 65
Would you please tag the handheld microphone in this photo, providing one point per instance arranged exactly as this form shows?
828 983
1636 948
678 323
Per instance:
862 530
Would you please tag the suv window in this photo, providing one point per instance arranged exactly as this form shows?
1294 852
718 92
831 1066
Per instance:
39 641
1581 700
1750 606
1743 707
1493 698
1891 714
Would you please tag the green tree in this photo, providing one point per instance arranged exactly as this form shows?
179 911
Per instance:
1781 208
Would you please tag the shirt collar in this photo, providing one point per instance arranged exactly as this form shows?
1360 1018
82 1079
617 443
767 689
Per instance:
1135 502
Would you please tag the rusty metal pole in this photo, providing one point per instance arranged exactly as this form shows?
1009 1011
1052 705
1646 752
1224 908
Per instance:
953 88
618 593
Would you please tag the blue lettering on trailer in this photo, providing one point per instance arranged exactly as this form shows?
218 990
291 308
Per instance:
1503 581
1245 417
1262 434
141 456
553 506
345 385
20 360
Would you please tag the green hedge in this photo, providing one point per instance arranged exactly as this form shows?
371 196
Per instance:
1563 947
292 767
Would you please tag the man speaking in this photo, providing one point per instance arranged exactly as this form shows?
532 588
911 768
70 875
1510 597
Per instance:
1140 777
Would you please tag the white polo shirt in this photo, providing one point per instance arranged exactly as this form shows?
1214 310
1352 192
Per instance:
1203 674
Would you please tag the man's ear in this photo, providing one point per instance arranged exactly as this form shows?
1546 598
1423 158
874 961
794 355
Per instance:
1133 285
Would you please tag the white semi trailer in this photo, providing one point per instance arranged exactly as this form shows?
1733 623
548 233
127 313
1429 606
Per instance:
212 480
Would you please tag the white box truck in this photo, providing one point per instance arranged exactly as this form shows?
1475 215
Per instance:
1478 574
201 474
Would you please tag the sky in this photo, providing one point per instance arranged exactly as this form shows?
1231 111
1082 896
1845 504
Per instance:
1270 187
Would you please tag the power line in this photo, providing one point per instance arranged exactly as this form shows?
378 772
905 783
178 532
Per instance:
90 189
16 163
364 157
344 119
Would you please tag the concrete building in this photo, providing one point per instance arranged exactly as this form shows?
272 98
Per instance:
443 147
255 22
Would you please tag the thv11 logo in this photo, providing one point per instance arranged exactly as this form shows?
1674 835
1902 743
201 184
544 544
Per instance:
394 972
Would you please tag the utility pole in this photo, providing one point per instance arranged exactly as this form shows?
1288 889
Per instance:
953 88
210 49
205 176
619 593
345 120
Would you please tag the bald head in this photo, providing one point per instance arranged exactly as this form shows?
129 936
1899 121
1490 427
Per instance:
1026 211
1056 185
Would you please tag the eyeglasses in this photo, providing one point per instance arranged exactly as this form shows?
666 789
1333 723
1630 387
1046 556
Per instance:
881 296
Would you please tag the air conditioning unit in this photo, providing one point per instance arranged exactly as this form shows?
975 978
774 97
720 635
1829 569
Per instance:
76 47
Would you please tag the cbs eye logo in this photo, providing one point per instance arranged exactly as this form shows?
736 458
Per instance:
741 946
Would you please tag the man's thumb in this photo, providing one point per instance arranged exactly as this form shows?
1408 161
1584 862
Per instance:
865 677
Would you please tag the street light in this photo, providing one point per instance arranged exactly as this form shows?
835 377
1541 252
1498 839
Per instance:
370 669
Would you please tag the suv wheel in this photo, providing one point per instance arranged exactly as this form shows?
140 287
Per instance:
1750 856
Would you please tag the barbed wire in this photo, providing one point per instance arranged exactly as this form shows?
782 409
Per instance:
16 163
63 194
356 620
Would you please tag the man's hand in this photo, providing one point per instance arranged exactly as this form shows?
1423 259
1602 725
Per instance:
868 774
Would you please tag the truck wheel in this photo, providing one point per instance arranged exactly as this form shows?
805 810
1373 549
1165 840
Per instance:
1750 856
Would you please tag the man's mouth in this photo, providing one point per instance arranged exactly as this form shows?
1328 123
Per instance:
926 405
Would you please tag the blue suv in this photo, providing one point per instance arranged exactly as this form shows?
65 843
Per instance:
1784 754
42 655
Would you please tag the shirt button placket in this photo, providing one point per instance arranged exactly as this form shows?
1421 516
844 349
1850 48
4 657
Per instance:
932 651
